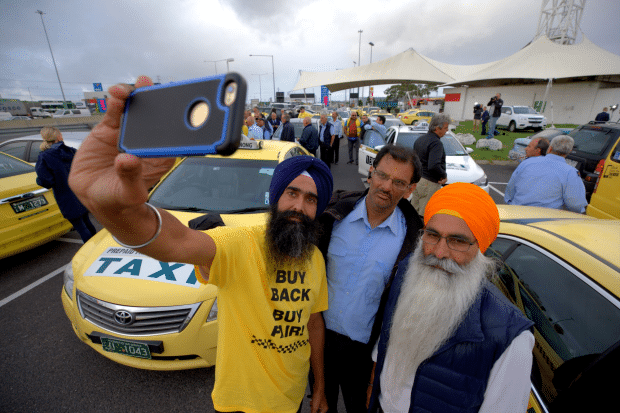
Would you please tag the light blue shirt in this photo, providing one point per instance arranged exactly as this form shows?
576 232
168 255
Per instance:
337 127
266 133
375 134
546 181
255 132
359 263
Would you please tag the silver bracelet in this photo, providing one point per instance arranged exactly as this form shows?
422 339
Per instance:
159 225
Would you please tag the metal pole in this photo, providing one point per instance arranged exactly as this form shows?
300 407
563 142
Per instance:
64 104
273 71
359 54
371 45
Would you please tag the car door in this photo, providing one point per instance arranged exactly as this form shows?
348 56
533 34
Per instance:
605 200
504 118
576 320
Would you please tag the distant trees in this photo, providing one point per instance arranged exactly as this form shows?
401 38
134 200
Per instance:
398 92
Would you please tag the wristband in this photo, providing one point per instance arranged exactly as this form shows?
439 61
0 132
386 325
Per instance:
159 225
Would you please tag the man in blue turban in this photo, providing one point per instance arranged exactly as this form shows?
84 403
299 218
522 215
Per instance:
270 277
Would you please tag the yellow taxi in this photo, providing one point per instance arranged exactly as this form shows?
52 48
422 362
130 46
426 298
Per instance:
605 200
415 115
155 315
563 271
29 215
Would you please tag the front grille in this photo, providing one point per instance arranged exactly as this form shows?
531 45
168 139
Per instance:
135 321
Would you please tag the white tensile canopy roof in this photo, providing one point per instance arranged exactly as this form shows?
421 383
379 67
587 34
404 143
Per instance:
541 59
544 59
406 66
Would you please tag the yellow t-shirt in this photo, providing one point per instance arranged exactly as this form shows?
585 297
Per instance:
263 352
245 130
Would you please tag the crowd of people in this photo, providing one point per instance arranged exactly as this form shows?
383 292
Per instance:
393 305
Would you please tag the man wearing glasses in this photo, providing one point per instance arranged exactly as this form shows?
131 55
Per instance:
364 235
450 340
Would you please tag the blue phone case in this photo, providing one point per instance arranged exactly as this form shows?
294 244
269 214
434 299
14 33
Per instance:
156 121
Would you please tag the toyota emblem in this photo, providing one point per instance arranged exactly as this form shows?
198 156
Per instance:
123 317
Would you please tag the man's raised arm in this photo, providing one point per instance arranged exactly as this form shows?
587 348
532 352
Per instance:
114 187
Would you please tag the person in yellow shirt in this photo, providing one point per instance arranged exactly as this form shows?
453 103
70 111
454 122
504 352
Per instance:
303 113
271 278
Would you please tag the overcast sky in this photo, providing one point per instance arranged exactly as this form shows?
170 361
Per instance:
115 41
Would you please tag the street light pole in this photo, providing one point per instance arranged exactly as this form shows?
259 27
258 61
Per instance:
359 54
370 97
214 64
64 104
260 88
273 71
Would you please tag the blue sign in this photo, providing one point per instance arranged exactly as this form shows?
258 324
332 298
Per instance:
325 95
98 87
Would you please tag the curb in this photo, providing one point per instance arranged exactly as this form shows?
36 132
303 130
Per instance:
495 162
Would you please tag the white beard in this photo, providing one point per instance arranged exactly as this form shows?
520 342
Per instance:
431 305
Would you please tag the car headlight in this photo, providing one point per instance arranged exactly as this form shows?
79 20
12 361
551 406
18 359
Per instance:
482 181
67 279
213 313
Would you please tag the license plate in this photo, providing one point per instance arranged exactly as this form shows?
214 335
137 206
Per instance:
29 204
128 348
572 163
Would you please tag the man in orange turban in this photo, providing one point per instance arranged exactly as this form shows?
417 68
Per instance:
450 341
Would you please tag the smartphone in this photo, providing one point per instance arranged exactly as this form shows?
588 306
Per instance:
193 117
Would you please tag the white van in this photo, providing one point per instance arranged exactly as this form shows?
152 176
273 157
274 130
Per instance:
71 113
39 113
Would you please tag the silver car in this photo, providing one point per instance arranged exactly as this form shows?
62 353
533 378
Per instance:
27 147
460 167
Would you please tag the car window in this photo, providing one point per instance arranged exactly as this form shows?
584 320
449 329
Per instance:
35 150
296 151
407 139
216 185
12 167
574 322
16 149
452 147
590 140
504 110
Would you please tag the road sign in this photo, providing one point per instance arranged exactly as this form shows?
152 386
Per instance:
325 95
98 87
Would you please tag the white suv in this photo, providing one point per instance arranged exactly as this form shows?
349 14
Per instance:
521 117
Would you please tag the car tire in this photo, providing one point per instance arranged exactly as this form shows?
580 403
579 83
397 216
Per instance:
512 126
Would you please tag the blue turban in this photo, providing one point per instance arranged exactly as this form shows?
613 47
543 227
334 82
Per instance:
291 168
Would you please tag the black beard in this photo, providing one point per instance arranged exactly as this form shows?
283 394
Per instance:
291 240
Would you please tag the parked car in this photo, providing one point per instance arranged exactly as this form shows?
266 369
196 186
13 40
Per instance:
517 153
521 117
605 200
562 270
71 113
412 116
29 215
27 148
460 167
593 143
146 314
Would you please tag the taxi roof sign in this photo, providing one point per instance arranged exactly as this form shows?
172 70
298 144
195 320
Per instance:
247 143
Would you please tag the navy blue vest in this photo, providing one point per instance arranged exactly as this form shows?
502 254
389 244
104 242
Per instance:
327 137
455 378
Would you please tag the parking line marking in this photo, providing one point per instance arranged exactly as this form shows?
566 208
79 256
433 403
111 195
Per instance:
72 240
31 286
496 190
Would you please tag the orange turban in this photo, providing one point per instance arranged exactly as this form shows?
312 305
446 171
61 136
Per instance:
470 203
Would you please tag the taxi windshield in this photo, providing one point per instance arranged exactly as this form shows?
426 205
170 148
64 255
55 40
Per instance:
12 167
216 185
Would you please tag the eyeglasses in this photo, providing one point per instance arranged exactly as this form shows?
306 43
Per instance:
454 243
398 183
